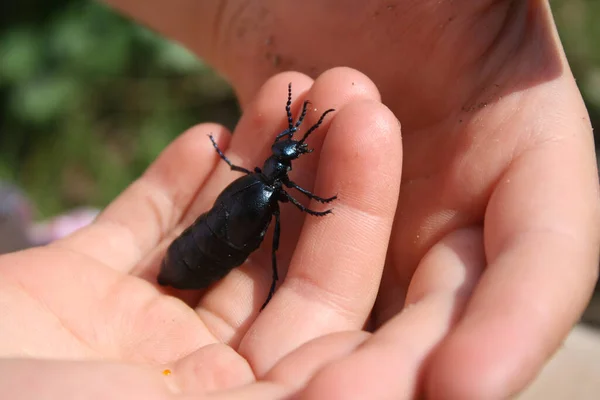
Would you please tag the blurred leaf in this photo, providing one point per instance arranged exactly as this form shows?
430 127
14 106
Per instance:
42 100
19 55
90 39
591 87
177 58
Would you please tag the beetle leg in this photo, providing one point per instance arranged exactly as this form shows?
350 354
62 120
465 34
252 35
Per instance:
310 195
276 234
233 167
304 209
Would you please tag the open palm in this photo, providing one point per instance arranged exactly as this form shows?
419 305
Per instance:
498 173
91 298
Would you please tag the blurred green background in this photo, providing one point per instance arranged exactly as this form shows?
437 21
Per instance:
88 98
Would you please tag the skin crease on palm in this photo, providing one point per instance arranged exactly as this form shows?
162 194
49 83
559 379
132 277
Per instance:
493 231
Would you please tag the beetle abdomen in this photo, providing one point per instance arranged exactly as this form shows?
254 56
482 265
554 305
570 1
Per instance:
198 257
220 239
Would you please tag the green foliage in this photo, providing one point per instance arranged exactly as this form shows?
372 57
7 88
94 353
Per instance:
579 29
90 98
20 50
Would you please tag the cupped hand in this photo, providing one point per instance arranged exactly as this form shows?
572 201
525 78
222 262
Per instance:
498 172
85 315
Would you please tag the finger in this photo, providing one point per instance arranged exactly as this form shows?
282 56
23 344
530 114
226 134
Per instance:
336 268
132 225
211 368
297 368
394 355
233 302
541 241
226 311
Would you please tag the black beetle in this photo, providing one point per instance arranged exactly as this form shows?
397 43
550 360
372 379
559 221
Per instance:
223 237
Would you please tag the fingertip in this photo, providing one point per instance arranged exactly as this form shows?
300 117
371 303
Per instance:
364 137
214 367
336 89
370 121
271 98
454 264
190 151
476 364
301 365
345 83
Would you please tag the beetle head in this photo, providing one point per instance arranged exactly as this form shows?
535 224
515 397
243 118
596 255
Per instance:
289 149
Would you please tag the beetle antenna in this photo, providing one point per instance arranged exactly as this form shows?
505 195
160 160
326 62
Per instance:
315 126
302 115
288 108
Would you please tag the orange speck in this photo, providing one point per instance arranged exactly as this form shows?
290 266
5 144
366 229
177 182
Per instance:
167 372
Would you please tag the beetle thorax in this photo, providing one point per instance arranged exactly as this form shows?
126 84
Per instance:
284 151
275 168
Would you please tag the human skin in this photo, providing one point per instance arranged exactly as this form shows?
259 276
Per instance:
97 324
494 247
